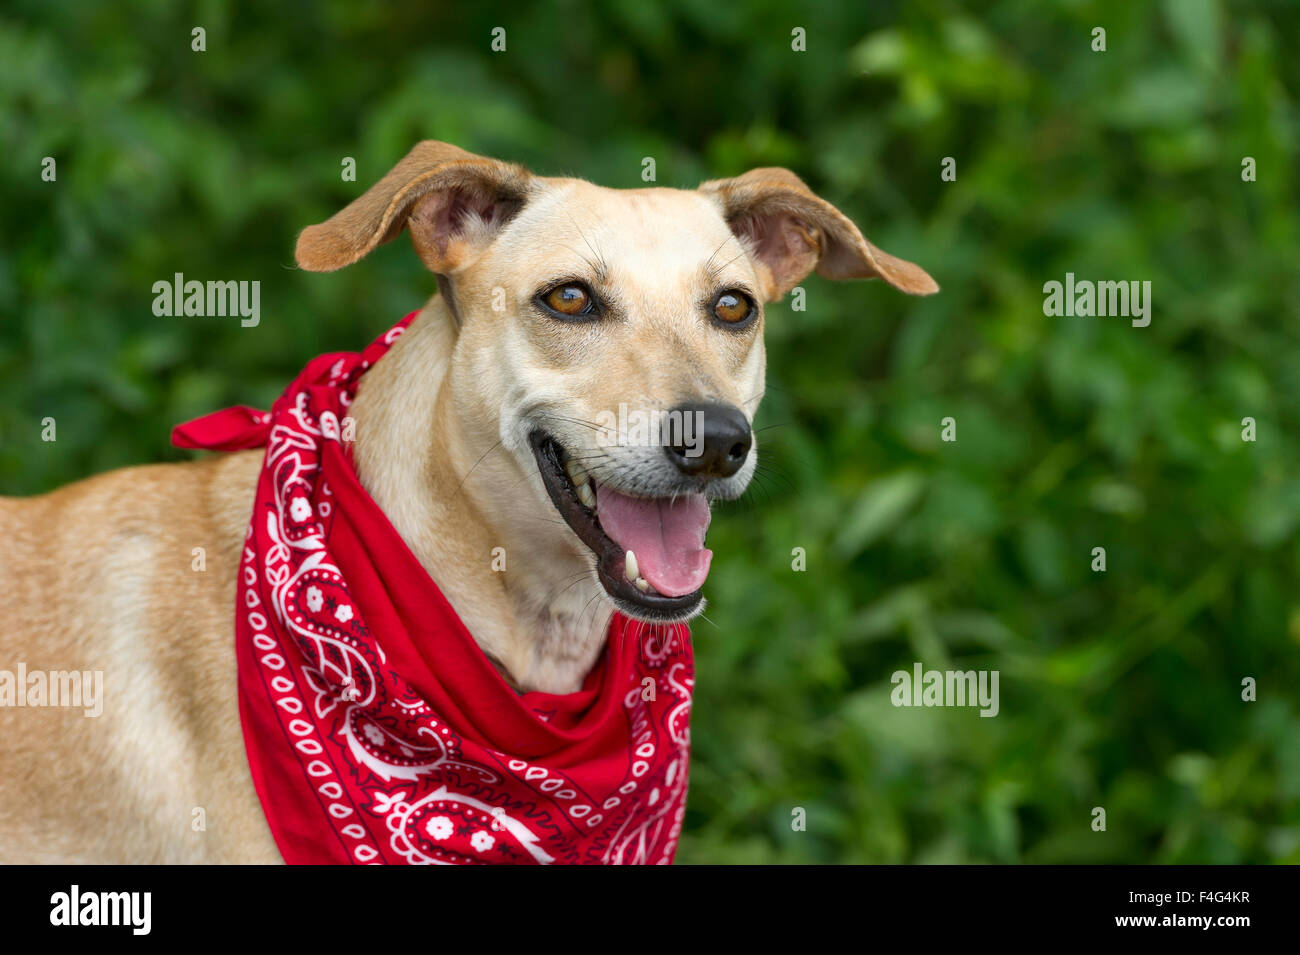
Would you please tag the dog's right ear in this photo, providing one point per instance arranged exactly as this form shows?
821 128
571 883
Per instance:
453 202
789 231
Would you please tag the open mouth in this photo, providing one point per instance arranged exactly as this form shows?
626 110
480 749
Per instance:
650 553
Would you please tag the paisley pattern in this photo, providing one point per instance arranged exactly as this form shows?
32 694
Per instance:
398 742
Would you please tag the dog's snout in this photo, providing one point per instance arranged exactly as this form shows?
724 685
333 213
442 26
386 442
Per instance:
708 439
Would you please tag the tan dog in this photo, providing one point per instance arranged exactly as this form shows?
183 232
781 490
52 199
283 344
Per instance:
490 424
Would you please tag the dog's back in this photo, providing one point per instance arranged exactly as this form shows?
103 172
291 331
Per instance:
104 576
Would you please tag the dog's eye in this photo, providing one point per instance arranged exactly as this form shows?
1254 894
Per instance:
570 299
733 307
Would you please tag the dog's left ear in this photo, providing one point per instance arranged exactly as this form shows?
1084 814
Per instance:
453 202
789 230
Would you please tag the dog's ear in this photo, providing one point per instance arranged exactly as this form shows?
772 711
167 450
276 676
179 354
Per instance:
453 202
789 231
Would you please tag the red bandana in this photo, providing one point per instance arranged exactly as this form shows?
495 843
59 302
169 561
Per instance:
375 727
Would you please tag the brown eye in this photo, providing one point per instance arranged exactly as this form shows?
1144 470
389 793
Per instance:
733 307
568 300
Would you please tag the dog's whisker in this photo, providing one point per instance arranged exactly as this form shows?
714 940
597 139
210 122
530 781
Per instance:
600 267
461 486
709 268
703 616
738 255
578 421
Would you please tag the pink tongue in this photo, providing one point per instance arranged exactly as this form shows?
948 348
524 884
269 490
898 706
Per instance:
668 539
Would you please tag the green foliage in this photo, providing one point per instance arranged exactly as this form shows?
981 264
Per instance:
1119 689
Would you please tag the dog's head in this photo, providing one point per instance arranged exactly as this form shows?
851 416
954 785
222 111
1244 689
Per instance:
611 340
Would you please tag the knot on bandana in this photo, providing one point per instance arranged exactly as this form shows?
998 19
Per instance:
376 729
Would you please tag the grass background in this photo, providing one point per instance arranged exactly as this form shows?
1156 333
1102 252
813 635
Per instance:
1119 689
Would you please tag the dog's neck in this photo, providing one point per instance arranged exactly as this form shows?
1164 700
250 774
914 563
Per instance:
514 575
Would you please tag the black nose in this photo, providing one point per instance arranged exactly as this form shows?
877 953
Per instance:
707 439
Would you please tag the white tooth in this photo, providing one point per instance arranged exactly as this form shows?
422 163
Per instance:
586 495
643 585
577 473
630 568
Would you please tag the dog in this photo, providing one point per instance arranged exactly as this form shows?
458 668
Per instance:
558 302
